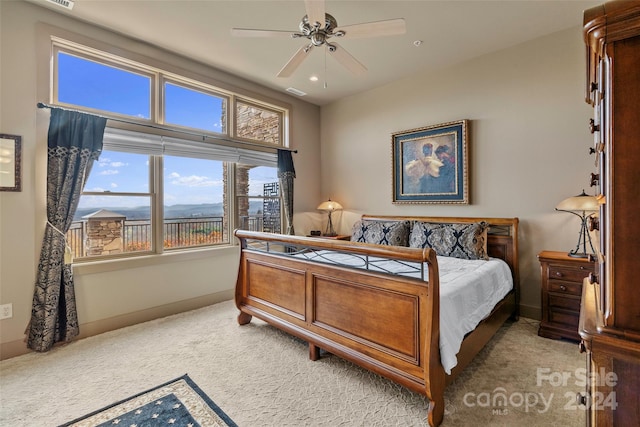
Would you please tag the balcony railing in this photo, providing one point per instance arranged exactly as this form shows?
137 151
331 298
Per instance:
178 233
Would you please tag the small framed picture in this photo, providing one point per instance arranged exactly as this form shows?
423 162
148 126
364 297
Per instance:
10 159
431 164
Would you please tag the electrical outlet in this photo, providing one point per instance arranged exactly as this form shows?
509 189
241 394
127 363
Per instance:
6 311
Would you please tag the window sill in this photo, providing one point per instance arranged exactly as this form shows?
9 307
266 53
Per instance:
93 267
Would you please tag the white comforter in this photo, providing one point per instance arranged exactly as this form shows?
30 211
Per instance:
469 289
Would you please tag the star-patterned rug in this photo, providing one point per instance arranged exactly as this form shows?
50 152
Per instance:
179 402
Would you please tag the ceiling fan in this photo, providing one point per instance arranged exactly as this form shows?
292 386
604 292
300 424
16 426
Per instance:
319 28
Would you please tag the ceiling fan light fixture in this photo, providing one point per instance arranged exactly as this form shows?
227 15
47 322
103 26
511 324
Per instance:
318 33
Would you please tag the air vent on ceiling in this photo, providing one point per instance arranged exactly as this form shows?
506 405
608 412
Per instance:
296 91
67 4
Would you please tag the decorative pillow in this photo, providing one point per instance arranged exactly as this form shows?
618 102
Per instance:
394 233
465 241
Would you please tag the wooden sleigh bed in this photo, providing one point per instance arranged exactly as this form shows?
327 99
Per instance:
386 323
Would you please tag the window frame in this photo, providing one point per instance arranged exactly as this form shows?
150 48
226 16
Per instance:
155 214
83 52
100 52
158 77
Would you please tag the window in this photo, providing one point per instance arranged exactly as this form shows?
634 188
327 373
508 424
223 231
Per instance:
167 189
87 83
194 211
115 212
85 77
194 109
258 198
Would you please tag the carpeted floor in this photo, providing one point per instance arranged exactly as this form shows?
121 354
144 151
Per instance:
262 377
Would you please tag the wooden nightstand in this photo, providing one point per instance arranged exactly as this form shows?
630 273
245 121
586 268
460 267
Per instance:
562 278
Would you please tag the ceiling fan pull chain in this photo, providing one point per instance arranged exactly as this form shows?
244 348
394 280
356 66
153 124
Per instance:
325 68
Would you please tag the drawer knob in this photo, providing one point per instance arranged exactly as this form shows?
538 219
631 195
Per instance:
558 274
593 127
582 399
563 288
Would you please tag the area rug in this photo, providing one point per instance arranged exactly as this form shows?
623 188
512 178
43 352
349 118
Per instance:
179 402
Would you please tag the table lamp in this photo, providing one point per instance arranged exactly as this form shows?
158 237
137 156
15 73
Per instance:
579 206
330 206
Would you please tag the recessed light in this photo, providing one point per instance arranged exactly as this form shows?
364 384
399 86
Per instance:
313 78
417 42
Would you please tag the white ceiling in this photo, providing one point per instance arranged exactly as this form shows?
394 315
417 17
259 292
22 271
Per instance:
451 32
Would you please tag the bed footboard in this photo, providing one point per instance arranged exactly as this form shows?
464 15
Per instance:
374 320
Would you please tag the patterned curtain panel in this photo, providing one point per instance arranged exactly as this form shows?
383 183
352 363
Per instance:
286 174
74 143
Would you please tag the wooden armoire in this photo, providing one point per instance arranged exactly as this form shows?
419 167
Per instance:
610 311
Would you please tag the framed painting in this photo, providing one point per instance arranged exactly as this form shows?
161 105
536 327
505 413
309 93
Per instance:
431 164
10 154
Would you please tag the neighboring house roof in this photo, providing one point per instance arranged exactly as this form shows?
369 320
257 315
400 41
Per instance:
103 213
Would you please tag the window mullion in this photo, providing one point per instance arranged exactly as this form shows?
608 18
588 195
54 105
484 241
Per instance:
157 212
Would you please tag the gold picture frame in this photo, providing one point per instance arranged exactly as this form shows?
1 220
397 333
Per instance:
431 164
10 162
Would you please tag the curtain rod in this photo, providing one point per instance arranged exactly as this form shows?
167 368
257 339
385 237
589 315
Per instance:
152 126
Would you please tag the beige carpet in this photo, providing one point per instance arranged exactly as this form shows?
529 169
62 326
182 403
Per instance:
262 377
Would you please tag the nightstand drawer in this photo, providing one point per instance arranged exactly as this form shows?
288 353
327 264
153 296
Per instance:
564 317
576 274
565 287
565 302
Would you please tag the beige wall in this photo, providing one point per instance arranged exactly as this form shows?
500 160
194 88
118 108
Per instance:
528 139
109 294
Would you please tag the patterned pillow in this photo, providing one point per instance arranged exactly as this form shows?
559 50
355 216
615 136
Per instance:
465 241
394 233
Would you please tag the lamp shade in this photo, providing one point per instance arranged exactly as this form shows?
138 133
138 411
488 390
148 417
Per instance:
581 202
329 206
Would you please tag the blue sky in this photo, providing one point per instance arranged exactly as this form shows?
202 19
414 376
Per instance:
186 181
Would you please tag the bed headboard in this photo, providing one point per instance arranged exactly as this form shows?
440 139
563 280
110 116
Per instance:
502 236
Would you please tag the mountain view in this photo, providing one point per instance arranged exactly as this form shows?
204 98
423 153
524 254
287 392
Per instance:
173 211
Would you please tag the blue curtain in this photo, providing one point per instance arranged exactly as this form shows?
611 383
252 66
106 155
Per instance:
286 175
74 143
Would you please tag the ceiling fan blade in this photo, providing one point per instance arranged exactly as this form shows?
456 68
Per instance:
315 12
347 60
295 61
248 32
389 27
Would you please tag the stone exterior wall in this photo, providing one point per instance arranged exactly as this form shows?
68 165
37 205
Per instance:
242 189
103 236
258 123
252 123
